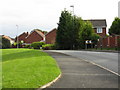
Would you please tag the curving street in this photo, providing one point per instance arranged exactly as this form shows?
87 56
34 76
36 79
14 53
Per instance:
77 73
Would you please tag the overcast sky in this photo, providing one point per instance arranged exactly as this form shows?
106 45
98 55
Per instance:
44 14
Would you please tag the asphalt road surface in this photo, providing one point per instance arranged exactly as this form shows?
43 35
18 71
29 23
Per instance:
106 59
77 73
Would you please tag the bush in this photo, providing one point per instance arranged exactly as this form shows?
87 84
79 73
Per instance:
27 46
5 43
37 45
49 46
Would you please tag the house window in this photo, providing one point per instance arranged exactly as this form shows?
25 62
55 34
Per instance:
99 30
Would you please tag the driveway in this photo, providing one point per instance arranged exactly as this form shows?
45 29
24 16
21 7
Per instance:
77 73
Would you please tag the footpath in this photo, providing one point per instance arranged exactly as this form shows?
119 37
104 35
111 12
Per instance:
77 73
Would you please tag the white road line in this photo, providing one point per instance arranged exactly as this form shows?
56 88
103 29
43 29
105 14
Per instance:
102 67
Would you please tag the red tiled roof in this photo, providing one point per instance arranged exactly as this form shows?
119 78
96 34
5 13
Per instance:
40 33
7 37
51 31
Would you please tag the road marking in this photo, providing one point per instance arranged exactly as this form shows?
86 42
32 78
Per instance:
102 67
86 74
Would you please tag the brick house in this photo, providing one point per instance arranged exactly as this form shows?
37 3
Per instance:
50 37
35 36
99 26
22 37
105 41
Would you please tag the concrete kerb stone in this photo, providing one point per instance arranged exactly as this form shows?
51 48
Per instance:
50 83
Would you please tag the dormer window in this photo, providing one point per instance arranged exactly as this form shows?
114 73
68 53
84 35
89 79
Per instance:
99 30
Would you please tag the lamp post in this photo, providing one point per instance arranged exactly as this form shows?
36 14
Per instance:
73 23
73 9
17 36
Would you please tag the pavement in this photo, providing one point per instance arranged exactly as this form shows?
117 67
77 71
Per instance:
77 73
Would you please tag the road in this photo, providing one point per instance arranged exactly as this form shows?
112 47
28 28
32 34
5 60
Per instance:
106 59
77 73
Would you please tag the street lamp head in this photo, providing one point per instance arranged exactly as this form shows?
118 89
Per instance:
72 6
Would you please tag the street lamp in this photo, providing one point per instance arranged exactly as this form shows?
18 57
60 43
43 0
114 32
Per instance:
73 22
17 36
73 9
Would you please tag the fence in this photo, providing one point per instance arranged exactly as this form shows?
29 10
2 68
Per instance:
109 42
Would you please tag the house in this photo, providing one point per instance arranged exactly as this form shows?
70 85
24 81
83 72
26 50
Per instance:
9 38
22 37
35 36
50 37
99 26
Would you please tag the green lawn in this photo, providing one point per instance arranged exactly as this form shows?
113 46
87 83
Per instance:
27 68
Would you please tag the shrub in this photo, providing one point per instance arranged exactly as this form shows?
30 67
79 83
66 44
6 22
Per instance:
49 46
5 43
37 45
27 46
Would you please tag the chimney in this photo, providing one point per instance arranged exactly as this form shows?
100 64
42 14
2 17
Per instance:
27 33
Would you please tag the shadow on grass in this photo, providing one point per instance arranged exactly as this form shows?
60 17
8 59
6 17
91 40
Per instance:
22 55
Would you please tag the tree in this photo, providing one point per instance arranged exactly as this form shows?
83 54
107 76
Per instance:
115 27
87 31
95 38
73 32
5 43
41 31
65 32
78 27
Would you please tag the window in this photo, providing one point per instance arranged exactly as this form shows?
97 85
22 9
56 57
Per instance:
99 30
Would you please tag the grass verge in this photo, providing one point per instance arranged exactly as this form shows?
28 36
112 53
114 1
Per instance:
27 68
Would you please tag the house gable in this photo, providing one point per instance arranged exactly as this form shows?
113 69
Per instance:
50 37
99 26
35 36
22 37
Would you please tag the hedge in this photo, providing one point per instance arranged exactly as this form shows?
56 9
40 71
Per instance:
37 45
49 46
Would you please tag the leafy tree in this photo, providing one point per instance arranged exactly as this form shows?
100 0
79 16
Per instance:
87 31
65 33
5 43
78 27
115 27
41 31
73 31
95 38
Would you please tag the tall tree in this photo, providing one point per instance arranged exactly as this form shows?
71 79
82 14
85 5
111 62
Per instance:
65 33
73 31
115 27
86 33
78 26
